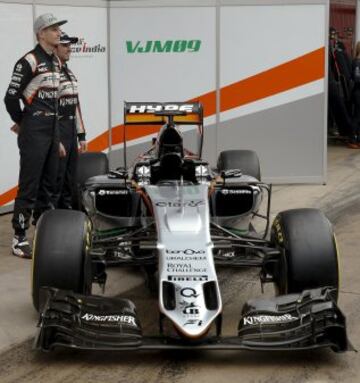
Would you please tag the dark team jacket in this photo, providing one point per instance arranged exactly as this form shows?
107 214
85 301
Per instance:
35 81
356 73
69 105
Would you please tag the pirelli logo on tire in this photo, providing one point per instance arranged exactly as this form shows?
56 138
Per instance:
278 231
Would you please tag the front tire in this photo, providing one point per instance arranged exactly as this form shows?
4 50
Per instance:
60 255
308 243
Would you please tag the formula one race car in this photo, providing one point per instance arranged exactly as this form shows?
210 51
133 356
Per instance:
173 215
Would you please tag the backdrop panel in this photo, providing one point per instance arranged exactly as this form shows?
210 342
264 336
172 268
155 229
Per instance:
161 54
15 21
265 62
273 59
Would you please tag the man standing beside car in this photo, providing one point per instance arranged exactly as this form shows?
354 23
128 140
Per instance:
71 126
35 82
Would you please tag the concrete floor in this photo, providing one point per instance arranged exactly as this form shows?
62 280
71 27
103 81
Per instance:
339 199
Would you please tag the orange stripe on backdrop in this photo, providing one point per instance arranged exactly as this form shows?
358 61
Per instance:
8 196
99 143
289 75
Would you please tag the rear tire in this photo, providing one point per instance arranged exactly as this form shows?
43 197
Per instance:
245 160
89 164
308 242
60 255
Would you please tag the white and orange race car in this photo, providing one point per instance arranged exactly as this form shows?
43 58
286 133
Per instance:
179 219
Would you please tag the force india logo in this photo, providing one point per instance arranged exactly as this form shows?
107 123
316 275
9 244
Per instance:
158 46
83 47
268 319
122 319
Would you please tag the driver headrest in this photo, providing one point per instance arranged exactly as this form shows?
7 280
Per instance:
170 141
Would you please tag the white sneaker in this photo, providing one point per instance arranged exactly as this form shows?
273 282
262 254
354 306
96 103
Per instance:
21 247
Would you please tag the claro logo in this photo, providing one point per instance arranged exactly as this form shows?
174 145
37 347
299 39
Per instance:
167 46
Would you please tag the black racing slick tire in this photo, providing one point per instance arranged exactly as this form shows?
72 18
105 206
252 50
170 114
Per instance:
91 164
309 248
60 253
245 160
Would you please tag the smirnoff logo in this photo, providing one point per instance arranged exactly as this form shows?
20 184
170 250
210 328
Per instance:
103 192
236 191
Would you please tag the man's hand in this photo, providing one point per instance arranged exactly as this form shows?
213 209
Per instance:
15 128
62 151
83 146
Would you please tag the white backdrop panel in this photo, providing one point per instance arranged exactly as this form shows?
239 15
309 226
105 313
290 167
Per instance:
257 38
289 124
166 76
15 21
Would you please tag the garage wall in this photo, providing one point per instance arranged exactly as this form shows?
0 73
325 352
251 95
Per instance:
15 19
259 69
259 72
272 99
161 54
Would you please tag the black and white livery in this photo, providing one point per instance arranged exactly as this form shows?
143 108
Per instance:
179 219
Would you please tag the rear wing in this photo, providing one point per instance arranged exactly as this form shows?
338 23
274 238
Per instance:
156 113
